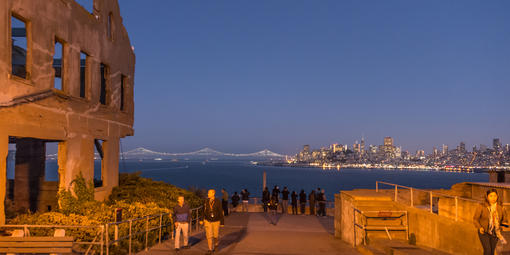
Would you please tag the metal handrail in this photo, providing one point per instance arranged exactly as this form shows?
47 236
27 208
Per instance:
431 196
25 228
118 239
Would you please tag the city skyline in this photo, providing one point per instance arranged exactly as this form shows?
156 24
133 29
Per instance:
242 77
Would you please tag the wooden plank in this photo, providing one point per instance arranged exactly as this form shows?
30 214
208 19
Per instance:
36 239
36 250
36 244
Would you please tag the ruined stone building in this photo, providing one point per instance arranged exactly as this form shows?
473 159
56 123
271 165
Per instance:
66 78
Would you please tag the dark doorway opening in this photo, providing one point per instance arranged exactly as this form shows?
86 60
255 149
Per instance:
32 176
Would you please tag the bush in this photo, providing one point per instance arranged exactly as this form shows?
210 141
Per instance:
137 197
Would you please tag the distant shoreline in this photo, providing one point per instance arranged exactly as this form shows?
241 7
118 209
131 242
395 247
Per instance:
381 167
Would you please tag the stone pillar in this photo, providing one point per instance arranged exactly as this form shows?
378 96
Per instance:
110 171
4 149
28 173
75 155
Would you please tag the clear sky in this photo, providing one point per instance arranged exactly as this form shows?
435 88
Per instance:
241 76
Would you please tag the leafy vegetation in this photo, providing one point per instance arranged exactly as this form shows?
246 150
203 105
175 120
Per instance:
137 197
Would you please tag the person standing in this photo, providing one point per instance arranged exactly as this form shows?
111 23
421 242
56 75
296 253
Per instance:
322 203
317 198
311 202
265 198
245 195
294 202
302 201
181 218
273 207
285 200
213 218
224 201
488 219
235 201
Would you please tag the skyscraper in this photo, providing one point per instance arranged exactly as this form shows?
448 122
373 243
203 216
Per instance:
496 144
462 147
362 149
388 141
445 149
389 149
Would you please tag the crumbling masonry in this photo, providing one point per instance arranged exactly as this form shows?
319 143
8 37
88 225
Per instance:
66 76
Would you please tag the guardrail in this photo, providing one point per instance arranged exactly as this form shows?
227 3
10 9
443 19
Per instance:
430 194
100 233
103 237
258 200
194 220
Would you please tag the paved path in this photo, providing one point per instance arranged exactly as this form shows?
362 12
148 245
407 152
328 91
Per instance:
251 233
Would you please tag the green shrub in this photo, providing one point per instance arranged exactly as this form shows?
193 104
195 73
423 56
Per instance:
137 197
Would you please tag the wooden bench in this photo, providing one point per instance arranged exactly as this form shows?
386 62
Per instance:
36 244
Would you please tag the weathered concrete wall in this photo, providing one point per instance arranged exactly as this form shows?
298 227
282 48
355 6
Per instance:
465 209
363 200
62 115
425 228
442 233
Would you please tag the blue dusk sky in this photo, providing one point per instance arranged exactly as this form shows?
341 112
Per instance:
241 76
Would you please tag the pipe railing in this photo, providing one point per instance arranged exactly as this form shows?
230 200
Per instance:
258 200
90 244
104 231
430 194
195 217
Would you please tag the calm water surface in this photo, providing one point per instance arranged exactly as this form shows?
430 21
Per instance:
234 176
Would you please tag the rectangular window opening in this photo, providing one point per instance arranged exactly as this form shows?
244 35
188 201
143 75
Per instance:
87 4
104 75
123 80
98 163
19 47
58 64
83 74
109 26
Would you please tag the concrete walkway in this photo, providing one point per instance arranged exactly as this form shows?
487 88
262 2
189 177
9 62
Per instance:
252 233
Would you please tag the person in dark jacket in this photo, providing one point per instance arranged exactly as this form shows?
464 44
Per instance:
276 192
311 202
265 198
322 203
302 201
317 199
294 202
245 196
285 200
235 200
224 201
273 207
181 216
488 219
213 218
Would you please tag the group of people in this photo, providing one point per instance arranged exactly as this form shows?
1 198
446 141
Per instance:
488 218
315 199
244 198
213 218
